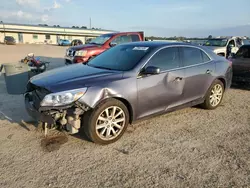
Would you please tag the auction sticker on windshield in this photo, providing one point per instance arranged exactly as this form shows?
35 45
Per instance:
140 48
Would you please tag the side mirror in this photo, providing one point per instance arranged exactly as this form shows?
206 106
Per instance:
152 70
112 44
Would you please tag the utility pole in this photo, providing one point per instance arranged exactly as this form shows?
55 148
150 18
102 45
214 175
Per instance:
90 23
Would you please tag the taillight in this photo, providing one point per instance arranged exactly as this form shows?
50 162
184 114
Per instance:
230 63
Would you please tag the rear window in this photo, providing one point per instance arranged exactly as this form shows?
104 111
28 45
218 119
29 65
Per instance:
205 57
121 57
192 56
135 38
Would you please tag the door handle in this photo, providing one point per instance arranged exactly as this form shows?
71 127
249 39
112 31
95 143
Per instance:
209 71
177 79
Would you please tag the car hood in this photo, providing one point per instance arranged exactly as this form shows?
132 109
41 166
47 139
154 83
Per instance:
83 47
215 48
73 77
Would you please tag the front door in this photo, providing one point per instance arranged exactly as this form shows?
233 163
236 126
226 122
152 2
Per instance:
156 93
241 64
199 70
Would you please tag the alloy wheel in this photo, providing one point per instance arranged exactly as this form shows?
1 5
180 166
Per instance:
216 95
110 123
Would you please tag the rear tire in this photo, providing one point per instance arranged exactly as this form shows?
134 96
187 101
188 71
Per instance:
214 95
107 122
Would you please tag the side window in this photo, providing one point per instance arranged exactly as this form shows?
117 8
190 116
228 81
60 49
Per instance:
243 53
166 59
122 39
135 38
205 57
192 56
232 42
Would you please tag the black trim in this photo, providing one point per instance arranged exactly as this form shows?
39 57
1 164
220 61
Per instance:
36 114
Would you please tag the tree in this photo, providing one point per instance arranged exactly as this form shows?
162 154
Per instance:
84 27
73 27
210 36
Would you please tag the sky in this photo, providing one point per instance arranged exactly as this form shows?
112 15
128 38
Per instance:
155 17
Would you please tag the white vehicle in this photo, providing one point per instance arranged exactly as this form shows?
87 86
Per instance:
225 46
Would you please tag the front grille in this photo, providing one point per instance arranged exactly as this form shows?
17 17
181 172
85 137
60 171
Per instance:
38 95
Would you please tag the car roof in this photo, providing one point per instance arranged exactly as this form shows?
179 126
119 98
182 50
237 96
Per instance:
156 44
224 38
121 33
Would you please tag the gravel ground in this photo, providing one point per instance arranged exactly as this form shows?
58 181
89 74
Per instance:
187 148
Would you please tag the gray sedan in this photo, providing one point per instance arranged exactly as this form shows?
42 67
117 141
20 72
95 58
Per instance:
126 83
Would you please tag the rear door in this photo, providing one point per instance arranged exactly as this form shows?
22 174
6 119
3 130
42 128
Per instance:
156 93
241 64
199 71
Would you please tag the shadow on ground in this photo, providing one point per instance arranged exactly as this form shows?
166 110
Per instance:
241 86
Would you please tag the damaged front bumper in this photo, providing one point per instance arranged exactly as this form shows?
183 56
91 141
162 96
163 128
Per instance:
66 117
34 113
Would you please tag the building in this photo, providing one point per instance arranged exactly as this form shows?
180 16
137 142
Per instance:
37 34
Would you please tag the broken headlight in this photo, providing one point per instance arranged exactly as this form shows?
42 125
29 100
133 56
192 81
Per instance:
63 98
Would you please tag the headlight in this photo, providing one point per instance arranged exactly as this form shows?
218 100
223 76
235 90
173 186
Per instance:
63 98
81 53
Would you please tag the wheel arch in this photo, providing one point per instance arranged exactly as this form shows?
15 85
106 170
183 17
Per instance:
223 80
129 107
124 101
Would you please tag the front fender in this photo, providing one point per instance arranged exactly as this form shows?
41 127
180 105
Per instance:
124 90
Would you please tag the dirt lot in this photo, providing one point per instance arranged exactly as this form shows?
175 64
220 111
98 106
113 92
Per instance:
187 148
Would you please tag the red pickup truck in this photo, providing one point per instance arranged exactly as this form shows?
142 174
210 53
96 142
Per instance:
83 53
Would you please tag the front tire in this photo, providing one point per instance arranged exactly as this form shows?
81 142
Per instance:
214 95
107 122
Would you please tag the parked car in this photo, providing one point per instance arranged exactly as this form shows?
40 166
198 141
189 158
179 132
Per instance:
9 40
224 46
64 42
127 83
84 53
241 65
76 42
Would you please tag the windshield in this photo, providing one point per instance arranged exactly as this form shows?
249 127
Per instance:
216 42
101 39
9 38
121 58
245 41
243 52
